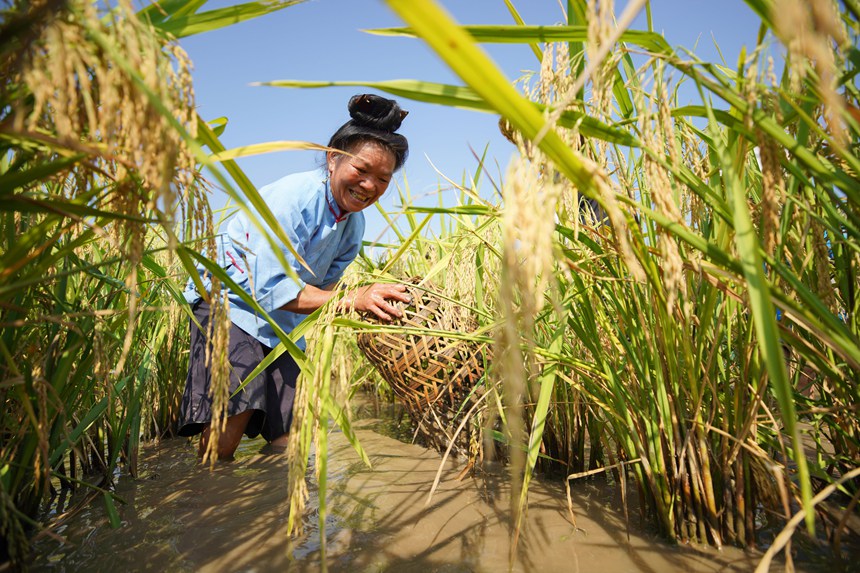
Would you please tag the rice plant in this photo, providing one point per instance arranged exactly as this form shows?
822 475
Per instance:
671 288
690 318
100 190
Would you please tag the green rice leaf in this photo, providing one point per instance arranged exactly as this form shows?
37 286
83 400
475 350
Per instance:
469 98
764 318
113 514
485 210
164 9
546 381
342 420
268 147
93 414
651 41
519 20
14 180
457 48
188 24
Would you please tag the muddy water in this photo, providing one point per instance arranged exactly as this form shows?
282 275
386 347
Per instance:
180 516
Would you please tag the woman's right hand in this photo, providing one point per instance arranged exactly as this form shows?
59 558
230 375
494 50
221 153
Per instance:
374 298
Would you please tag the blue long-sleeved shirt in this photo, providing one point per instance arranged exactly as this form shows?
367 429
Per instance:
306 210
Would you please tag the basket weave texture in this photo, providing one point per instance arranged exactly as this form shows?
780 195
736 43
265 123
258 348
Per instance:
427 371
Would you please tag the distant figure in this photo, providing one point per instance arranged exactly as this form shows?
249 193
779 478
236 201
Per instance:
320 211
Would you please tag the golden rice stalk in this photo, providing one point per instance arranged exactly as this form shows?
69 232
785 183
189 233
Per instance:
809 29
218 334
83 97
75 63
772 174
310 418
41 462
298 452
658 134
600 16
528 227
773 189
826 288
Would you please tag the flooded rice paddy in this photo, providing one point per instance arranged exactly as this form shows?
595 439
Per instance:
181 516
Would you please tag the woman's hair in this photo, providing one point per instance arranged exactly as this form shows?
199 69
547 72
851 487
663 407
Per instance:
373 118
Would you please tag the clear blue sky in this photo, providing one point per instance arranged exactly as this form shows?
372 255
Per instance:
323 40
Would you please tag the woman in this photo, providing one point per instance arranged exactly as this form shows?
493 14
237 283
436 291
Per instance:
320 211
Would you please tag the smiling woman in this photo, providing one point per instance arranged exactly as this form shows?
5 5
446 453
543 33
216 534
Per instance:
359 180
320 212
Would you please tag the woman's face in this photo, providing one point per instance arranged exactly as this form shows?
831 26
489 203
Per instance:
359 179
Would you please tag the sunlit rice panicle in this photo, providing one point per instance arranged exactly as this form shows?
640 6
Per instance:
528 226
617 219
696 160
297 453
600 16
42 465
218 333
773 175
750 92
339 386
313 388
772 190
84 96
528 221
546 78
823 270
461 273
564 86
658 136
814 33
667 126
563 78
77 65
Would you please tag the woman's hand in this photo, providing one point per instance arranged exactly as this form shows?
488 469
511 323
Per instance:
374 298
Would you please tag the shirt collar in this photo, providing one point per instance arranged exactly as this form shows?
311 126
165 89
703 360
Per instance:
333 208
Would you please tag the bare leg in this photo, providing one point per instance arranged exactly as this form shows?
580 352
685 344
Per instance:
230 437
277 446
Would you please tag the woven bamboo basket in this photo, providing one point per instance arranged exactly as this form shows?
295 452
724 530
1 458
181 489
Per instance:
432 374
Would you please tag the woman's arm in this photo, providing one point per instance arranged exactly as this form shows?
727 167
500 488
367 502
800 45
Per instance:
372 298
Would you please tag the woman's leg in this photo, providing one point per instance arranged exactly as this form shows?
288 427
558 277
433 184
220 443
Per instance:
281 441
280 395
229 439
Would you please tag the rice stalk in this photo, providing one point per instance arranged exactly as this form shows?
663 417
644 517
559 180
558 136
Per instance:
690 399
809 30
95 131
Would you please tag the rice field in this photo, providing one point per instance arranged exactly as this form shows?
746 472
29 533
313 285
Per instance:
666 293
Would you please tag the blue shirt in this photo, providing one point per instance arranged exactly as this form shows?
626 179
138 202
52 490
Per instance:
305 208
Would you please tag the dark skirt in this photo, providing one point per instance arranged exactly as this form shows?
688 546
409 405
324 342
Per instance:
270 395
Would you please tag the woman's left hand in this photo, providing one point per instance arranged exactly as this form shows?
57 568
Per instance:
374 298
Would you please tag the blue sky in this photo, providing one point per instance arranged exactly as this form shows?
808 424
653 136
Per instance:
324 40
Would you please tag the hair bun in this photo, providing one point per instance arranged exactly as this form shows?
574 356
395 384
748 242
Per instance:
376 111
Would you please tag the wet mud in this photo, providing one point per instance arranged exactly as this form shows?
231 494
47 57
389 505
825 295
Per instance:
182 516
